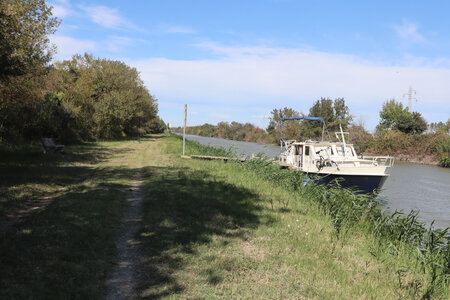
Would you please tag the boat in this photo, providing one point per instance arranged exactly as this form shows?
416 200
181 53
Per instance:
327 161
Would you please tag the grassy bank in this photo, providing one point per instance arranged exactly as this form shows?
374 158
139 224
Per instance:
65 249
209 230
244 231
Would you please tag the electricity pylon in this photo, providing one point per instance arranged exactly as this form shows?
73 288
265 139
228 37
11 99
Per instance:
411 96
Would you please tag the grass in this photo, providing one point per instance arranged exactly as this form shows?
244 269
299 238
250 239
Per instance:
215 230
209 230
65 250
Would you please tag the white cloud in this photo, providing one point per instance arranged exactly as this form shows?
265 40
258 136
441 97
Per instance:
61 11
180 29
107 17
257 79
68 46
117 43
409 32
219 116
62 8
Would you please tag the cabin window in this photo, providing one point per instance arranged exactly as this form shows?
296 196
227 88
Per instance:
332 152
307 150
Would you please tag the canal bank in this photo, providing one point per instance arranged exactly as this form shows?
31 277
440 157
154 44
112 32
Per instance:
394 240
410 186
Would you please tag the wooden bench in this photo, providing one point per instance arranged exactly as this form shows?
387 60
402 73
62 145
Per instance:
48 145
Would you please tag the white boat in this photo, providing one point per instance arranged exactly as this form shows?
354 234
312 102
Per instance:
326 161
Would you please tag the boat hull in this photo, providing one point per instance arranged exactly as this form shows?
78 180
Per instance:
361 183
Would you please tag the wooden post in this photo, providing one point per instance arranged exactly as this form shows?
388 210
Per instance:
184 129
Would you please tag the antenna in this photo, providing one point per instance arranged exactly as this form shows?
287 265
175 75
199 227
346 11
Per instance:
411 96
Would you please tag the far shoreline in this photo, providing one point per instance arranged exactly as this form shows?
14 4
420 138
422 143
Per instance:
404 158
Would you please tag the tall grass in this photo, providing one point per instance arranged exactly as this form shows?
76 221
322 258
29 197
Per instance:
442 146
396 234
194 148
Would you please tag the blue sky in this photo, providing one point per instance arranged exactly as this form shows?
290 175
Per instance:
238 60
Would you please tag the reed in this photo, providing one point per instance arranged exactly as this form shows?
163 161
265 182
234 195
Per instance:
396 234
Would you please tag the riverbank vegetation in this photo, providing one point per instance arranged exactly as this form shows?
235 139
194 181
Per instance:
419 256
400 133
82 99
209 229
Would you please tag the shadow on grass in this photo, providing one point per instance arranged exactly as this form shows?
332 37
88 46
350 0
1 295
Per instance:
182 210
27 175
65 250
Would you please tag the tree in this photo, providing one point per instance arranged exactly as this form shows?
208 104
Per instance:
24 30
24 57
334 113
395 117
359 137
107 98
440 127
275 125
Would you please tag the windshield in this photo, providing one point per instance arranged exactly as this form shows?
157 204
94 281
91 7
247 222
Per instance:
348 151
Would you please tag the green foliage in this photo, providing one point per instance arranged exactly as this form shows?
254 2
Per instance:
24 43
442 146
440 127
107 97
291 128
156 125
444 161
80 99
394 116
333 113
194 148
360 138
24 55
430 247
234 131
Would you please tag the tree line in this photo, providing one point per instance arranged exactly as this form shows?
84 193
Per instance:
400 132
81 99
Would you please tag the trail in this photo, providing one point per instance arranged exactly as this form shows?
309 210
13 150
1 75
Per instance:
120 284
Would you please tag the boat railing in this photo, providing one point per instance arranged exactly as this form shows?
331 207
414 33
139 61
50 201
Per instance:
286 143
387 161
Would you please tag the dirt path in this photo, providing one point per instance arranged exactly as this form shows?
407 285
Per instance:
120 284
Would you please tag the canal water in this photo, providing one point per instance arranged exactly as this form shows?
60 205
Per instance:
409 186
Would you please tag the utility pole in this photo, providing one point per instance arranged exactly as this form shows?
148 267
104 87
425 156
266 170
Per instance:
184 129
411 96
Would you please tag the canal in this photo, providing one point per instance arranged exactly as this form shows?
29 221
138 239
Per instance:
409 186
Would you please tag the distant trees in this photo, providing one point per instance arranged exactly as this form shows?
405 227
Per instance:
79 99
399 132
105 98
394 116
440 127
232 131
292 128
333 112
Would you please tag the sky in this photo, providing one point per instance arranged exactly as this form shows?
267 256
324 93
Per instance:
238 60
